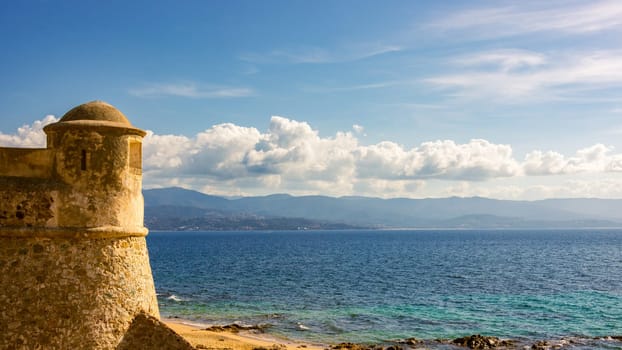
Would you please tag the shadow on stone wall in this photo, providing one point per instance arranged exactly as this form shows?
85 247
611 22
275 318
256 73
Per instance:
147 332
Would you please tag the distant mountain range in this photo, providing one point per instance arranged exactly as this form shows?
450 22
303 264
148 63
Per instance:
180 209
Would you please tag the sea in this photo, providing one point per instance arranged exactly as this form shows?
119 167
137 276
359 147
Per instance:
375 286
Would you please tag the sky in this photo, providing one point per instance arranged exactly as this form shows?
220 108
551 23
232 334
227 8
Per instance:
500 99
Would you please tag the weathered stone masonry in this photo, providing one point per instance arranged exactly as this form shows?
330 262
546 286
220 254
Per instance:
74 266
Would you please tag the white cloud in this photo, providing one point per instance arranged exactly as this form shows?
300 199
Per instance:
221 150
548 77
477 160
552 16
164 151
190 90
544 163
290 156
508 59
594 159
359 129
368 86
30 136
289 151
316 55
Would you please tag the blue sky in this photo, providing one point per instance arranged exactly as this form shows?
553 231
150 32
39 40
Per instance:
515 100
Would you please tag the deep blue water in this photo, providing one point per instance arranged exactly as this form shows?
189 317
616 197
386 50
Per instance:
370 286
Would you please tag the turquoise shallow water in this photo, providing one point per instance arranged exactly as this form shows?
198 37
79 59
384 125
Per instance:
373 286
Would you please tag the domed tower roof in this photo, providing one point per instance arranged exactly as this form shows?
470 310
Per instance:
95 114
96 111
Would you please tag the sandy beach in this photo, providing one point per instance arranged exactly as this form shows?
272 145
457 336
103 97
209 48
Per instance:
243 340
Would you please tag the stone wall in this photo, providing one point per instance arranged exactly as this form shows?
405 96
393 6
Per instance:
68 293
27 202
23 162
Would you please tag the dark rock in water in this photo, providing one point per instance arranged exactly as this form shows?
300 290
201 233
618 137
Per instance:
235 328
409 341
348 346
616 337
354 346
477 341
541 345
563 343
553 344
393 347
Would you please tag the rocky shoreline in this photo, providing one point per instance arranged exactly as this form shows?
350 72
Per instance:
477 342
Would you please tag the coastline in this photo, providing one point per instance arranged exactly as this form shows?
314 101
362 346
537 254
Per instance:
222 339
201 338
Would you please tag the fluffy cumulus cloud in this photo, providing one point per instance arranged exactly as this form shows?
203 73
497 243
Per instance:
31 136
290 151
165 151
476 160
597 158
290 156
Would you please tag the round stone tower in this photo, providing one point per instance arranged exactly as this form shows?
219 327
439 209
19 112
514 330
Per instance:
74 266
99 153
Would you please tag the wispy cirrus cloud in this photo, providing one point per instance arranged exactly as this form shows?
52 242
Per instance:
317 55
506 59
190 90
565 17
356 87
514 75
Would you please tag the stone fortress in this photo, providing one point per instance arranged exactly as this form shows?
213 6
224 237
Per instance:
74 266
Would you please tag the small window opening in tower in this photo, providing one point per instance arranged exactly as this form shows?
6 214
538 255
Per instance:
136 155
83 160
